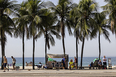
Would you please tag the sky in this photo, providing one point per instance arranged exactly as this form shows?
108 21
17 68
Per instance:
91 48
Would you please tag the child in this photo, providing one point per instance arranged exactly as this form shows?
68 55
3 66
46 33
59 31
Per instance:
71 64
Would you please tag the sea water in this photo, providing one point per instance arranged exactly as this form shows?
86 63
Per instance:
86 60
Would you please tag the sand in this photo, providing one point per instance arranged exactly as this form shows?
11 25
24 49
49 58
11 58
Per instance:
57 73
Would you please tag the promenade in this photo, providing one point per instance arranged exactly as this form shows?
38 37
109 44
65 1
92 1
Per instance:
59 73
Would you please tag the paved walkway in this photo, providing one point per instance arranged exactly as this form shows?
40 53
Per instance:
57 73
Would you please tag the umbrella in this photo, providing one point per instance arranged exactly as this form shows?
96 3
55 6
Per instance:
50 59
96 59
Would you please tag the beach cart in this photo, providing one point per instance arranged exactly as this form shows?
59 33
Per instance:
51 63
109 63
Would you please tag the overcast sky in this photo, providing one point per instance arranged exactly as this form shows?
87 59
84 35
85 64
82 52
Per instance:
14 45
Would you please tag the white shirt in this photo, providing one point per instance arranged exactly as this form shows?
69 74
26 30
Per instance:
104 59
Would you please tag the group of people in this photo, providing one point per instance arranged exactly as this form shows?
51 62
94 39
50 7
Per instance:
99 63
71 63
104 65
5 63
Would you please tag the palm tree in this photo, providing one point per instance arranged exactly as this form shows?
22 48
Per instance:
86 7
47 28
100 26
74 15
110 9
33 8
21 27
62 11
7 8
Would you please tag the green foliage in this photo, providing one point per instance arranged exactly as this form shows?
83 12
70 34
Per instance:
47 28
100 26
21 22
86 10
110 9
62 11
7 8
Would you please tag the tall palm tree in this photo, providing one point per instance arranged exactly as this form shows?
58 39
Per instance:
74 15
100 26
47 28
33 8
62 11
87 7
21 27
7 8
110 9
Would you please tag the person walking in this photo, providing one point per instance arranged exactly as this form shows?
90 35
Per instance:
104 62
13 62
5 63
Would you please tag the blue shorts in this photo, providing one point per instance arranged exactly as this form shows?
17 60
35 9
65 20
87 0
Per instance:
4 65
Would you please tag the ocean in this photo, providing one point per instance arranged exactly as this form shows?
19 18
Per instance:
86 60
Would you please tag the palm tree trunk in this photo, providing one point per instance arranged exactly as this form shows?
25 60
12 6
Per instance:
2 39
62 33
23 48
33 52
77 48
45 52
46 48
99 46
63 45
1 50
82 51
2 46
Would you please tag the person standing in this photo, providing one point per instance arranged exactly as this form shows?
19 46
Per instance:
5 63
63 61
104 62
75 62
13 62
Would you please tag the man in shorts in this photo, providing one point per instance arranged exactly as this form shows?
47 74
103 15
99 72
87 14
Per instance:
13 62
4 63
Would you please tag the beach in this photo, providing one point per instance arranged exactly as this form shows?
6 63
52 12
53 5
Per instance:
58 38
28 72
86 72
61 73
